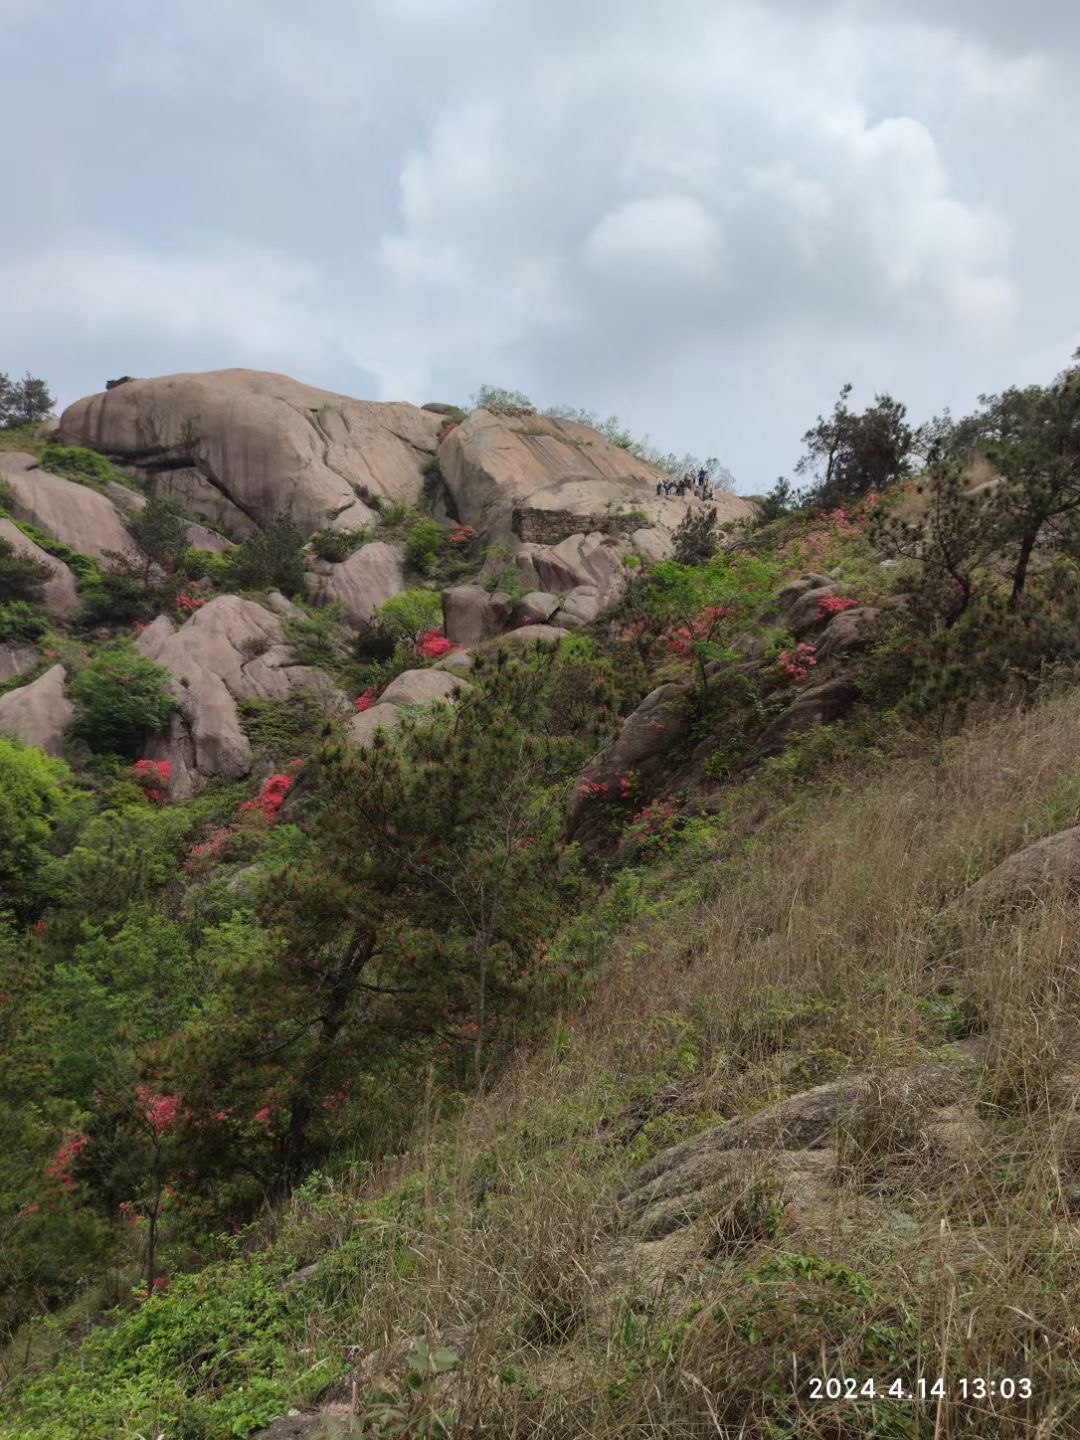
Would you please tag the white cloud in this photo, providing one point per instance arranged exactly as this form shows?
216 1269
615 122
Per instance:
659 239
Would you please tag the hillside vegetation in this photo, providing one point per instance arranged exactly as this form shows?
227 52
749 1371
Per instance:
668 1031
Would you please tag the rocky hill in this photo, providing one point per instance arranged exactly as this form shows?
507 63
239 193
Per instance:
488 950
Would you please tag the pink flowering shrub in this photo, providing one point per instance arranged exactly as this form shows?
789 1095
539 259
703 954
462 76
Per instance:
462 535
60 1169
796 664
190 600
365 701
270 798
161 1111
834 605
153 777
433 644
652 829
621 788
212 849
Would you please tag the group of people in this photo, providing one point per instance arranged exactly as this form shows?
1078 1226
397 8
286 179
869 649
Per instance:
697 485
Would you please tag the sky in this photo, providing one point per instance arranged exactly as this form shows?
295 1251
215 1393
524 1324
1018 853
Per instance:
704 216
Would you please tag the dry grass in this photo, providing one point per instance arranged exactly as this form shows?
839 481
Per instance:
817 950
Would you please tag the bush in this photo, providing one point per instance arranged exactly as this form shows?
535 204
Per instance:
80 464
31 798
337 545
425 541
197 564
501 401
20 623
408 615
21 576
271 560
120 699
694 542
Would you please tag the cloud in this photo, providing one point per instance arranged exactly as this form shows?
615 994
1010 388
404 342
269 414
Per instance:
705 217
238 299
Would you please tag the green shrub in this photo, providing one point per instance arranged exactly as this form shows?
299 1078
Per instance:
408 615
120 699
77 463
22 577
31 798
423 544
337 545
270 560
82 567
197 564
20 623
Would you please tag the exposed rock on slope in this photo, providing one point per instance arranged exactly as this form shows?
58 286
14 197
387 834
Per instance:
59 595
38 714
76 515
1030 874
524 476
232 649
414 687
360 583
242 446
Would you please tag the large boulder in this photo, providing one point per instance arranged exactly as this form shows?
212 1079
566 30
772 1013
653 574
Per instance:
414 687
81 518
531 475
16 660
594 559
231 649
1029 875
805 614
59 594
847 633
243 446
639 752
39 713
817 705
360 583
472 614
536 608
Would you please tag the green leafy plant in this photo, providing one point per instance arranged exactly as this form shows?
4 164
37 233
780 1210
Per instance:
120 699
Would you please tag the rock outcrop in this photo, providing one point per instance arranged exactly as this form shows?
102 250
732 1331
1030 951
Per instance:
496 465
1031 874
81 518
59 595
39 713
414 687
231 649
16 660
471 614
242 446
360 583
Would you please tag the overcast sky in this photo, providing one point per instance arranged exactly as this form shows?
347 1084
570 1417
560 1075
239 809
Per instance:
704 215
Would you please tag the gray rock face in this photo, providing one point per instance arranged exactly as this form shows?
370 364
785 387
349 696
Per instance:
848 632
581 607
60 594
414 687
360 583
422 687
471 614
802 616
74 514
232 649
1029 875
798 588
817 705
39 713
537 607
534 635
242 446
592 560
647 736
16 660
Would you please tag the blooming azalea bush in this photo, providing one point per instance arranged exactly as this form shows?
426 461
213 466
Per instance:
190 600
270 798
834 605
60 1171
796 664
152 776
652 829
433 645
365 701
462 535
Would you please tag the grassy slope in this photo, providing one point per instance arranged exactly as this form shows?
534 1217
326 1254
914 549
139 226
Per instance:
795 938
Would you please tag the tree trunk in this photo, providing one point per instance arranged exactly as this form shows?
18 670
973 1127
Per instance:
1027 545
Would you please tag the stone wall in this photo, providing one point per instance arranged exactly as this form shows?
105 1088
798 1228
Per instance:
548 527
